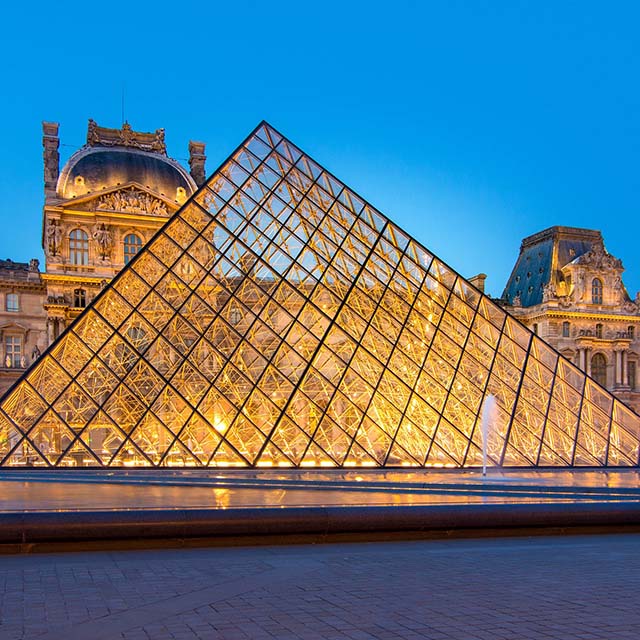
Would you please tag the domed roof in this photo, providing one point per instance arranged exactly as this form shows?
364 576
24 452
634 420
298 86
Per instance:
115 157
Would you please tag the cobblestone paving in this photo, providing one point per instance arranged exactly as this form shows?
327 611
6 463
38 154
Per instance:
585 587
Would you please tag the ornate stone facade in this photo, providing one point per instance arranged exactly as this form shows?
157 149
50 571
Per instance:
569 289
22 318
109 199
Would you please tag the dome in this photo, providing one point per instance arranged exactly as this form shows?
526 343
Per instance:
106 162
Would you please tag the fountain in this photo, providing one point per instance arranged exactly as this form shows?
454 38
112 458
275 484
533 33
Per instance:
487 419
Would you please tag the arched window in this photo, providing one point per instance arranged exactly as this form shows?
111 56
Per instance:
79 298
599 369
132 244
78 247
596 291
13 304
566 327
598 331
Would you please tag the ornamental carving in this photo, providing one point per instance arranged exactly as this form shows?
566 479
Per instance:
125 137
598 258
53 238
132 200
104 239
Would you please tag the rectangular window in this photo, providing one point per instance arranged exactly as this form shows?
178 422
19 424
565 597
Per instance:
13 352
631 371
13 304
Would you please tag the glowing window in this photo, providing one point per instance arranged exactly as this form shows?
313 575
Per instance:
13 303
596 291
132 244
78 247
13 351
599 369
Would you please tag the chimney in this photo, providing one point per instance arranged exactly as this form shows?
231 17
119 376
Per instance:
478 281
51 157
196 161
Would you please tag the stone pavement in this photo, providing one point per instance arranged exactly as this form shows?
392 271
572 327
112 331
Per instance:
585 587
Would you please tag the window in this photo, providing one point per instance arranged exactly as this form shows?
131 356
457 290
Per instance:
13 304
78 247
79 298
132 244
566 328
535 329
13 351
599 369
598 331
596 291
631 373
235 315
631 332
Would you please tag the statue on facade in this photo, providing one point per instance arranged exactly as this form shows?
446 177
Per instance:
34 265
53 238
548 292
102 236
35 353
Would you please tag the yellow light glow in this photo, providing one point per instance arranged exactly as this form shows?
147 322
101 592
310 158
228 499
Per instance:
220 426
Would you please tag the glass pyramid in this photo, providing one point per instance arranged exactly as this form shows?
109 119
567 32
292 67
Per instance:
279 320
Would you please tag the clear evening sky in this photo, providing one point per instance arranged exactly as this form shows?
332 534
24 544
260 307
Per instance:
470 124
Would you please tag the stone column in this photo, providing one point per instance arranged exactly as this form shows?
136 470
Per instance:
51 157
588 359
50 331
625 371
582 355
196 161
618 377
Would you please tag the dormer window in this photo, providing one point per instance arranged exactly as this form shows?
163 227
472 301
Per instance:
596 291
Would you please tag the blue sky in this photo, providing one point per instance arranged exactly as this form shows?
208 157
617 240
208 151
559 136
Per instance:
470 124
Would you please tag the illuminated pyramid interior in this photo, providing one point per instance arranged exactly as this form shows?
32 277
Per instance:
279 320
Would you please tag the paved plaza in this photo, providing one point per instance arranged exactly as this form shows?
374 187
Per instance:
569 587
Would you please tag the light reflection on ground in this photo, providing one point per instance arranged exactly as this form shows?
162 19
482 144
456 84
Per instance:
40 490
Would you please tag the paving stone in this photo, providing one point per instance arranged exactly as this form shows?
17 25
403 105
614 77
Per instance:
503 589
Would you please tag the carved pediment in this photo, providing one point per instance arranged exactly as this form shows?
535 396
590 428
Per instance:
132 200
599 258
128 199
